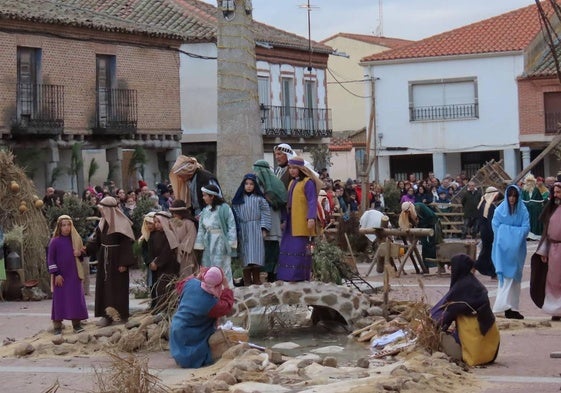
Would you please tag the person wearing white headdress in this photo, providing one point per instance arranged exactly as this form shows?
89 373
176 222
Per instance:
284 153
217 235
112 243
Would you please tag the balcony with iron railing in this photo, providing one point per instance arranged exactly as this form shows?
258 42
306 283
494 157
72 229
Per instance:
296 121
552 122
444 112
116 112
39 110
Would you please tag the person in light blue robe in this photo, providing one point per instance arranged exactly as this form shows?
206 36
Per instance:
511 224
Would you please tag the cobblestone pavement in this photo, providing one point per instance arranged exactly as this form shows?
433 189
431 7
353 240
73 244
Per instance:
523 364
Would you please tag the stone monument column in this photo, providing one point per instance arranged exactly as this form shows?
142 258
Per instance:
239 138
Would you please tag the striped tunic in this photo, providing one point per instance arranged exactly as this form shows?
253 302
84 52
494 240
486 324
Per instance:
253 215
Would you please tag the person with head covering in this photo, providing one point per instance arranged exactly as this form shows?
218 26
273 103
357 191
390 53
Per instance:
253 216
187 176
163 260
217 235
470 200
324 208
427 218
202 300
112 244
486 210
145 232
534 201
275 193
511 224
63 261
540 184
408 216
550 251
466 296
295 259
183 226
283 153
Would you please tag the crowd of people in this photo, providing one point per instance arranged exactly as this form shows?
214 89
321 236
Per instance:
190 234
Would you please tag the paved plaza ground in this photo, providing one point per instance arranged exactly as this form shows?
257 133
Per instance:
523 364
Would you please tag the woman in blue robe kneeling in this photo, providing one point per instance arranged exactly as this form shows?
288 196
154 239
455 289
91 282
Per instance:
202 301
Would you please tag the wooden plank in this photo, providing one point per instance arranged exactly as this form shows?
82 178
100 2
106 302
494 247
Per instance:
554 142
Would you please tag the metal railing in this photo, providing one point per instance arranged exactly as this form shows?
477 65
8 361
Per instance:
552 122
40 108
444 112
116 111
296 121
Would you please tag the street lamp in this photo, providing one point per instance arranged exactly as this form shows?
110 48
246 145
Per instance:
263 109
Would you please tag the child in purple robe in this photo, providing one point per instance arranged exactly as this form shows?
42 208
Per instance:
65 249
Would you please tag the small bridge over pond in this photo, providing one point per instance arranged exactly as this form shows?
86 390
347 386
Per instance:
350 304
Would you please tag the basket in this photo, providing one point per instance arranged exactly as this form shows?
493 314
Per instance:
222 340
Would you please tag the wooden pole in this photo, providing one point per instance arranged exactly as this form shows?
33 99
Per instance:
415 232
370 158
385 306
554 142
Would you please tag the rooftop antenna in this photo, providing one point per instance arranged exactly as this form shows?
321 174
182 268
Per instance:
380 28
308 8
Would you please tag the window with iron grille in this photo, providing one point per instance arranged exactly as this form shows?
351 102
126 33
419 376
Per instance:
443 99
552 111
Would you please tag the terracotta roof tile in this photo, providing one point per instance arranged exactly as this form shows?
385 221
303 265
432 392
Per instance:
67 13
512 31
340 144
191 19
544 66
388 42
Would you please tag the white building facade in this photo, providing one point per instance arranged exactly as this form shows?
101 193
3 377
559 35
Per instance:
436 111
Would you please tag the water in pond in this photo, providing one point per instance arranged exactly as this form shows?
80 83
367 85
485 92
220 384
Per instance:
314 338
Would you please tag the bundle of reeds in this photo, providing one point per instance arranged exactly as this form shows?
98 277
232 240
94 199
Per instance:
22 208
128 374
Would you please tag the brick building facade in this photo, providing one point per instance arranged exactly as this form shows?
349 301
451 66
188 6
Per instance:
84 78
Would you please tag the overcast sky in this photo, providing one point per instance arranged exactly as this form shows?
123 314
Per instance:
409 19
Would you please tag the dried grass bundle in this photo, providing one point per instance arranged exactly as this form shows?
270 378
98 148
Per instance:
421 323
53 388
423 327
17 190
128 374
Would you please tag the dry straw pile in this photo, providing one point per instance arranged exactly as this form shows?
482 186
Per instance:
22 210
